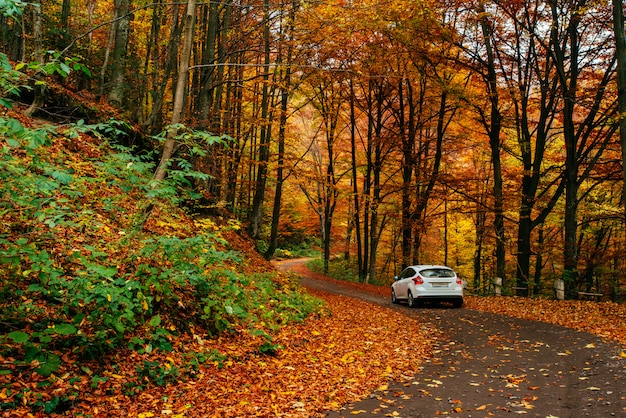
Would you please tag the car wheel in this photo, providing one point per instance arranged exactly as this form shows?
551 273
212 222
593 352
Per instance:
457 303
393 296
412 301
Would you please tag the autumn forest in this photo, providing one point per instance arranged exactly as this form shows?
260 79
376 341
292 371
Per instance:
483 135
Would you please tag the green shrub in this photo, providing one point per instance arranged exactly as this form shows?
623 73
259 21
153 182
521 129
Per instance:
337 268
84 276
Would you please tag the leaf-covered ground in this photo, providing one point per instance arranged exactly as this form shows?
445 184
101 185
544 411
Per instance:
323 363
605 319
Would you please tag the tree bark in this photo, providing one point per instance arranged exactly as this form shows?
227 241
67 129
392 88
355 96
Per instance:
39 89
284 101
620 49
355 185
154 122
494 128
256 214
408 161
120 51
568 80
181 91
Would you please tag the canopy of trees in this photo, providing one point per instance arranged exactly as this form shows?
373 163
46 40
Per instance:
482 134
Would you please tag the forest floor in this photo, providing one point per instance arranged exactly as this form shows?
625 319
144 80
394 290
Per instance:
368 357
491 358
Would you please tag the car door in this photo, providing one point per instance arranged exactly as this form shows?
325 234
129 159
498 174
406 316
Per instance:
403 282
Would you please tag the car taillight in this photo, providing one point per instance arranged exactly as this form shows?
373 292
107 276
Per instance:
418 280
459 281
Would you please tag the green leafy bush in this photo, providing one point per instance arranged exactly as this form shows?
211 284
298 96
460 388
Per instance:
337 268
85 275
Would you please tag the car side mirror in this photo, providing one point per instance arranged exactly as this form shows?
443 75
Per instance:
396 278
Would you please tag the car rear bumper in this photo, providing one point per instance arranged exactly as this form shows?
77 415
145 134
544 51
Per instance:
439 297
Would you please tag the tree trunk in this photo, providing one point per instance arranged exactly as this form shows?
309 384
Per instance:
355 185
568 80
284 101
479 239
39 89
376 196
494 128
181 91
408 142
620 48
209 68
154 122
256 215
66 7
120 51
237 147
537 285
367 184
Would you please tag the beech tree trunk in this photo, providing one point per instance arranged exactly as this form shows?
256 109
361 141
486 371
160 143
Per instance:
118 88
181 91
38 89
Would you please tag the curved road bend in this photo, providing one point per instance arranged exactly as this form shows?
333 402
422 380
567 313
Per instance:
495 365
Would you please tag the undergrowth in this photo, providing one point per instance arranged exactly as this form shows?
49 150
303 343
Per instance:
95 256
342 269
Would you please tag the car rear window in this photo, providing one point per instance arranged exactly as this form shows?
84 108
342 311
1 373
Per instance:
437 273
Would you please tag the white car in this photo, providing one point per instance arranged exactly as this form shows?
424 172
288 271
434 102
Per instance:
418 284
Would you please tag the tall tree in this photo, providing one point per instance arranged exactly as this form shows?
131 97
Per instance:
328 100
527 71
121 38
38 56
285 90
154 121
620 50
256 212
181 91
355 183
492 121
576 55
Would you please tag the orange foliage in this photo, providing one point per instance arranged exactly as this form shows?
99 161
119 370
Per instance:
324 363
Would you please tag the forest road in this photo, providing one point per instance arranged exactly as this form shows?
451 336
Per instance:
495 365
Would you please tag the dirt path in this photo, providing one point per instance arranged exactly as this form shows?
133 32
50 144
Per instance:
495 365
